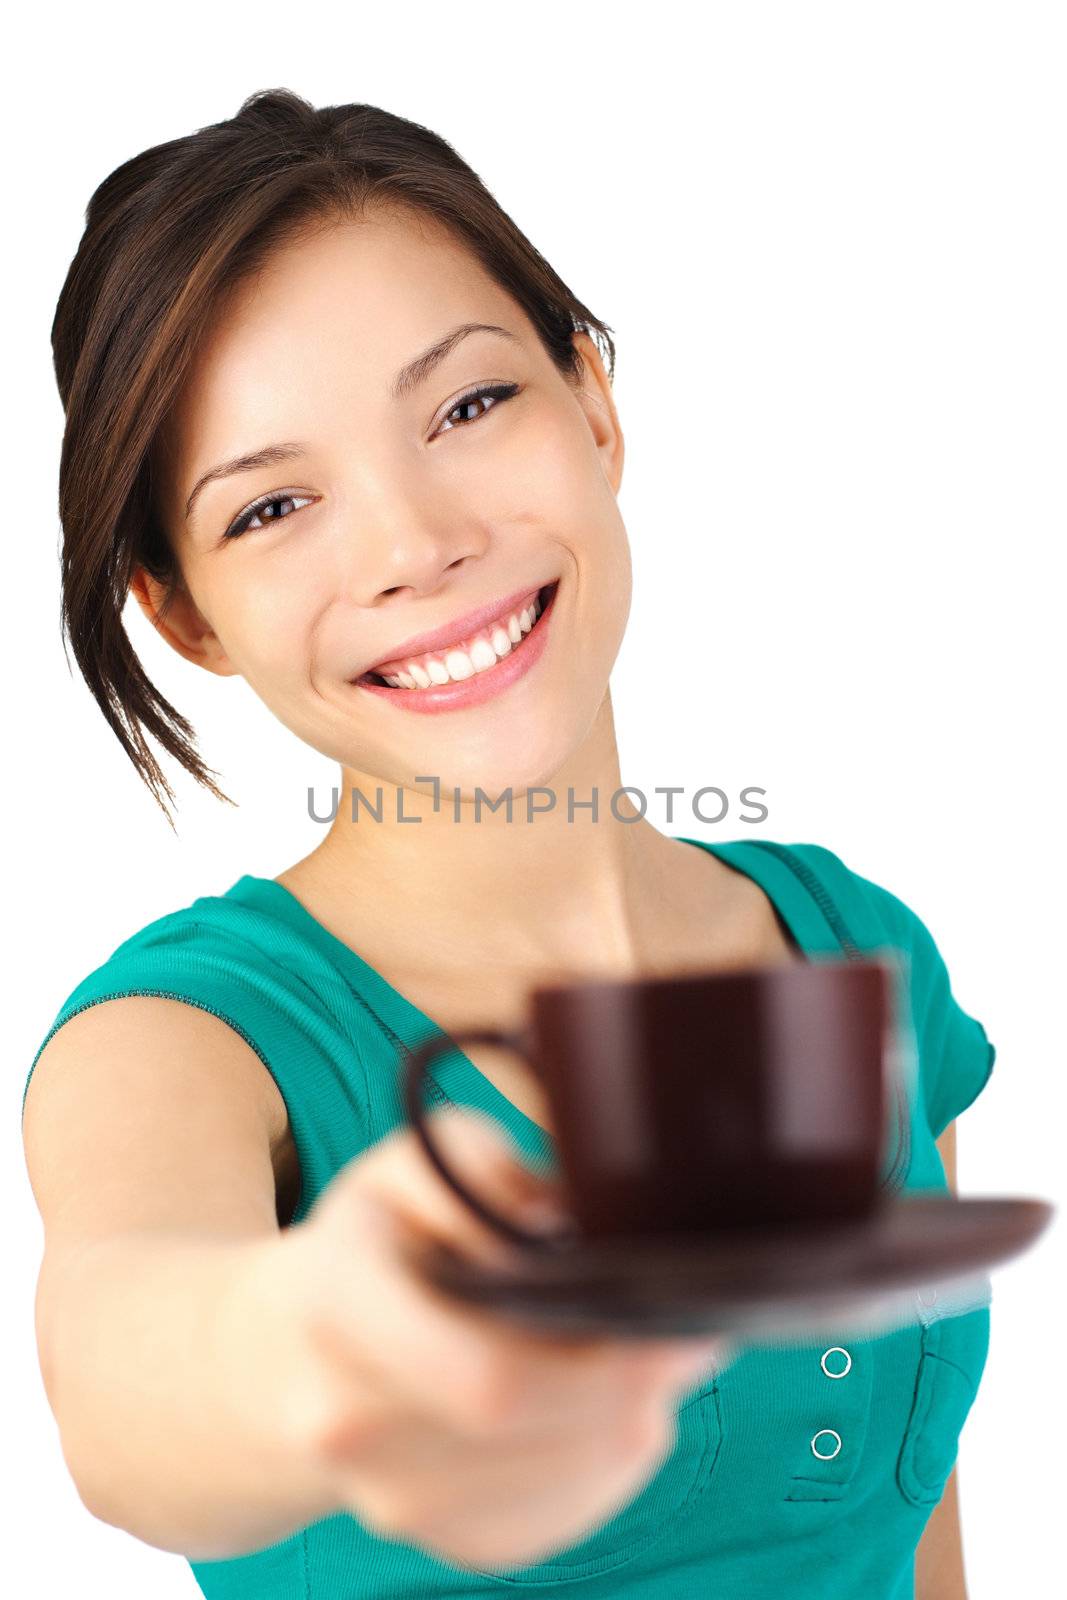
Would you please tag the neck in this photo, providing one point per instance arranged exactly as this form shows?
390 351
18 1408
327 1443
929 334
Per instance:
560 891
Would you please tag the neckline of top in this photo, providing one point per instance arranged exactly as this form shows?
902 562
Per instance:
455 1073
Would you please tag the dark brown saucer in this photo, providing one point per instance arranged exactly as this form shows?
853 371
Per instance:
753 1280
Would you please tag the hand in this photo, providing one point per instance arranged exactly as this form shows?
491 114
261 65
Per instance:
446 1425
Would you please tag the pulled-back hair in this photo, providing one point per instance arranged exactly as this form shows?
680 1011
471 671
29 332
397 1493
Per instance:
167 235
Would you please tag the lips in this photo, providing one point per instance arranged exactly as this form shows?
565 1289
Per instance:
454 635
468 691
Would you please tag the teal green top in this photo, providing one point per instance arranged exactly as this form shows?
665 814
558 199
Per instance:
757 1499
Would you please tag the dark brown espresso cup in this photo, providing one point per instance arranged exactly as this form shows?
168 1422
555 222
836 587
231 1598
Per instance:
691 1103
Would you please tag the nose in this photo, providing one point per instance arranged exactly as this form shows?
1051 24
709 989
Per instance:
428 583
415 560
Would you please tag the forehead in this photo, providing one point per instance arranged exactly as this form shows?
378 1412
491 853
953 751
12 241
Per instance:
322 326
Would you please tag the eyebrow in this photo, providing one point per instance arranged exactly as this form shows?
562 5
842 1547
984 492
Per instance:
269 456
408 378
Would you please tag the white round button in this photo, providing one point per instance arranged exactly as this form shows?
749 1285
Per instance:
836 1349
926 1297
819 1453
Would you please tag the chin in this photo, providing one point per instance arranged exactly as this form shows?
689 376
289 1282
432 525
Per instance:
519 756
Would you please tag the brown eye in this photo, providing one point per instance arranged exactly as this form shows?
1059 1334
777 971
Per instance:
266 509
489 391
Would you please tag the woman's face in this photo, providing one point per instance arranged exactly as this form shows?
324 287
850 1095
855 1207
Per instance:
396 513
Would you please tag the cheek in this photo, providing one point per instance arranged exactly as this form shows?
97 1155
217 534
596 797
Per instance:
552 479
269 626
549 471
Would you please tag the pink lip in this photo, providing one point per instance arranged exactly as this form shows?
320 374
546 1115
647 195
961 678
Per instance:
483 685
454 633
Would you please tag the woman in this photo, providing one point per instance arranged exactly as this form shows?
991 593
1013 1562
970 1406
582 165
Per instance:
342 431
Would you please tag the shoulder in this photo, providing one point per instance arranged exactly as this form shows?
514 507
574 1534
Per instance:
224 954
237 935
878 915
881 910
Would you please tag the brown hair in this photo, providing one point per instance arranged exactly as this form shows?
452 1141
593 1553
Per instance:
167 235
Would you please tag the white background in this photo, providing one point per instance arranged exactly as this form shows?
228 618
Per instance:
830 240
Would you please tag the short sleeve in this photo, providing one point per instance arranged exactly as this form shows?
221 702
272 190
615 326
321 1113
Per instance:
956 1056
283 1008
960 1055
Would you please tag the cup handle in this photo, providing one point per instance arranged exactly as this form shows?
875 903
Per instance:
419 1059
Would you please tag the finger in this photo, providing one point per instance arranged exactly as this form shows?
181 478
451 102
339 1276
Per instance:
484 1158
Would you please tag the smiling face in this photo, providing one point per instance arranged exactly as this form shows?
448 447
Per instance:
390 515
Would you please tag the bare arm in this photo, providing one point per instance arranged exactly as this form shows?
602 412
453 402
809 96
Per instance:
939 1573
148 1134
219 1384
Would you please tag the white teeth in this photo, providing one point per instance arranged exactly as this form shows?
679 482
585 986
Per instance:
459 664
482 655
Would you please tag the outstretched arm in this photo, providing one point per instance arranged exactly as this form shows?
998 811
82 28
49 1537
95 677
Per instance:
939 1573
